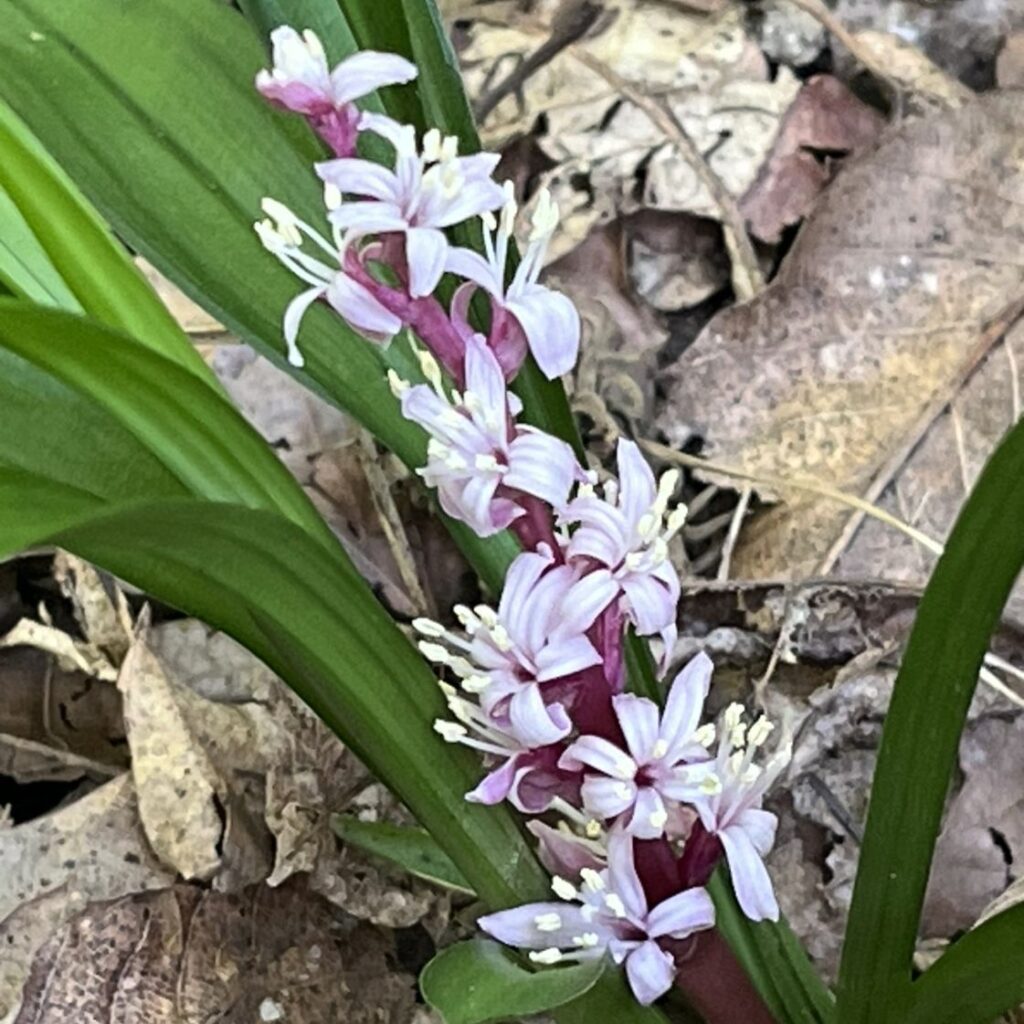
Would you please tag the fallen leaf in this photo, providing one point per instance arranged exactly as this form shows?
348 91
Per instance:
825 117
186 956
71 655
102 615
788 34
92 849
1010 62
192 318
876 313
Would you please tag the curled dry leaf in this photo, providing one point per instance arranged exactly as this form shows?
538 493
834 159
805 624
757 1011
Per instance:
878 312
92 849
609 157
188 956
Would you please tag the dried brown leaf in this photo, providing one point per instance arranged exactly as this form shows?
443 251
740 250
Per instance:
878 311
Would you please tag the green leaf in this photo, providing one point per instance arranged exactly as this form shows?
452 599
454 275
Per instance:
978 978
179 163
71 256
479 981
933 690
412 849
194 432
25 269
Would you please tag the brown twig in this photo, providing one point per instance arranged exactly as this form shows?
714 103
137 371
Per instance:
747 279
995 330
572 23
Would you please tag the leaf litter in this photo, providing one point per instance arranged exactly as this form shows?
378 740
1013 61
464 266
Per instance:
232 783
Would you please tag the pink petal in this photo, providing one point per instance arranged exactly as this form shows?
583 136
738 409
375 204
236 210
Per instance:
367 217
518 927
472 266
607 798
360 178
600 754
541 465
638 718
648 809
366 71
622 876
561 658
651 606
534 723
562 853
495 786
685 704
650 971
360 308
552 328
749 876
637 486
425 251
681 915
485 380
760 826
587 599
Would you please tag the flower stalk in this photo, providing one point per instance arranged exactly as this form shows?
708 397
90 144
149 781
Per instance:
633 806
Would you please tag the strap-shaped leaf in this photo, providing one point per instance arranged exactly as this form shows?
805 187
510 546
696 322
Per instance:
70 258
25 269
477 982
197 436
976 980
933 690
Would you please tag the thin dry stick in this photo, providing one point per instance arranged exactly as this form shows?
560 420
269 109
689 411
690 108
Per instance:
817 10
995 330
796 483
733 534
747 279
391 522
865 508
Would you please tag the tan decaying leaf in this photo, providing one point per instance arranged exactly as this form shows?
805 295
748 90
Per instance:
72 655
92 849
878 313
179 789
1010 63
714 79
188 956
103 615
29 761
907 65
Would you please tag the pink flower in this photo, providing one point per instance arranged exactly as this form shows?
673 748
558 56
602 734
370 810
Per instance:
548 320
735 815
282 234
478 460
426 192
607 913
665 761
301 81
627 534
536 636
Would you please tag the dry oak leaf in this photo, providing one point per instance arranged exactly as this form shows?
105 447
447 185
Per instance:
187 956
877 313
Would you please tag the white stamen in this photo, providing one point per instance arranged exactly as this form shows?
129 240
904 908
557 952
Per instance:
475 683
588 940
548 922
705 735
397 385
428 364
486 463
449 148
428 627
658 819
546 956
434 652
564 890
614 903
659 750
593 829
332 196
592 881
432 145
759 732
451 732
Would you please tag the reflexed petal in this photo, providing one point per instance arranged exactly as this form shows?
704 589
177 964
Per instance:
366 71
361 309
541 465
534 723
622 876
295 96
749 876
562 853
603 533
473 198
649 603
760 826
518 927
295 60
293 317
485 380
552 328
401 136
681 915
586 600
367 217
425 251
650 971
600 754
516 610
362 178
638 718
637 486
649 815
607 798
494 786
685 704
472 266
564 657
